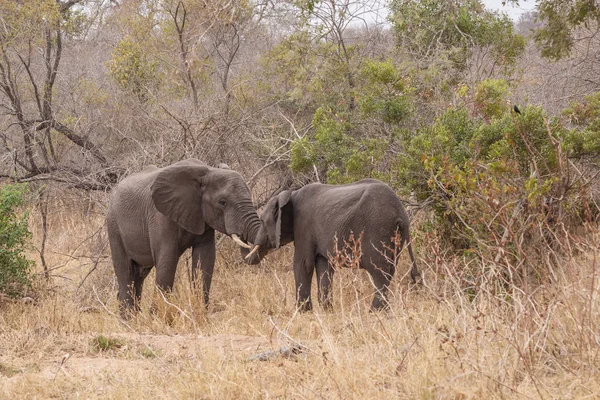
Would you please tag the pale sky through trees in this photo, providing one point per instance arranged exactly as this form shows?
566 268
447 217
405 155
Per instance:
512 11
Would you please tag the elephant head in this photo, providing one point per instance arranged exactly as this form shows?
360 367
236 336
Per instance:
277 227
196 196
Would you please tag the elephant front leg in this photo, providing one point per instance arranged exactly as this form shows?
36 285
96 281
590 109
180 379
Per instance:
324 280
166 266
303 273
206 253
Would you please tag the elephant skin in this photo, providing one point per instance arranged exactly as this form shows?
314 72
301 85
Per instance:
155 215
315 215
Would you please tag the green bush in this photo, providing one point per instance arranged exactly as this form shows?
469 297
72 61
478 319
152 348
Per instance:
337 149
132 69
14 241
584 139
500 182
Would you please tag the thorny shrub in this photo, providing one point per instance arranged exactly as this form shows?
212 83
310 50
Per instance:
506 193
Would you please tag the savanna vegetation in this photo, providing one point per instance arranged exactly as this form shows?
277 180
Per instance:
489 128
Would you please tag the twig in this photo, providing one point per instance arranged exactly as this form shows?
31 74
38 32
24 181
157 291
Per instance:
296 343
62 362
178 309
95 263
285 352
504 239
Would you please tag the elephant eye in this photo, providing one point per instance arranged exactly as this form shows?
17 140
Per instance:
222 203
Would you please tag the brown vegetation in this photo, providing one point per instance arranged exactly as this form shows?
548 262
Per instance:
506 231
437 341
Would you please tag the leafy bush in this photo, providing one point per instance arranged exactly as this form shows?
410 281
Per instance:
490 97
348 144
501 184
132 69
14 241
337 149
584 139
452 29
385 95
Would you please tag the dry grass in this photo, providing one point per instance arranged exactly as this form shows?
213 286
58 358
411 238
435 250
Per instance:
436 342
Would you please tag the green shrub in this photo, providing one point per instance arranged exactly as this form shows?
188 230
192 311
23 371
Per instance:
103 343
14 241
490 97
385 95
337 149
584 139
500 182
132 68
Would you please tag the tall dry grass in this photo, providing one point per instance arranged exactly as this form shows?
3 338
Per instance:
440 340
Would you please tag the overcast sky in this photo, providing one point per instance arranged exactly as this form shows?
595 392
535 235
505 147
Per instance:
513 12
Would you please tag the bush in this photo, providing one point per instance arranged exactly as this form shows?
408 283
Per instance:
501 184
14 241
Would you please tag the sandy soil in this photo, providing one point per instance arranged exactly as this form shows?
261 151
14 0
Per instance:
136 353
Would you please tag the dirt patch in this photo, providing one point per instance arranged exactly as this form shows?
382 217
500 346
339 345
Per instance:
186 346
139 354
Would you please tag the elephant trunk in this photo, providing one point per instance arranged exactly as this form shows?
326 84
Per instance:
250 223
257 256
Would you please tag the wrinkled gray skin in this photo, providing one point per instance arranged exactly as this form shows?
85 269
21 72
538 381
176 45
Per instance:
156 214
312 216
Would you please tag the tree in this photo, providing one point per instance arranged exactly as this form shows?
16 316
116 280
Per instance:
37 136
561 22
183 60
438 32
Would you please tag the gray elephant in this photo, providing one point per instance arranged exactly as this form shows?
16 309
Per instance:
156 214
313 216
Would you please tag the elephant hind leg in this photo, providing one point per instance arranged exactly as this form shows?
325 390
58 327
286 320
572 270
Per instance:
139 275
414 271
381 282
381 272
126 281
131 280
124 270
324 280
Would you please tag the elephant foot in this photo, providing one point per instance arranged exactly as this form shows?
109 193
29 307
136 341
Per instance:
416 276
304 306
126 312
379 304
128 307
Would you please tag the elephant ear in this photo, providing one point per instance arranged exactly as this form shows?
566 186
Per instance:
282 200
176 193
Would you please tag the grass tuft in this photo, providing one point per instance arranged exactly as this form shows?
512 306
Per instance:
102 343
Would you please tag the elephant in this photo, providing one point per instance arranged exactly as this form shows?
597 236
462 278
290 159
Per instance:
155 215
318 216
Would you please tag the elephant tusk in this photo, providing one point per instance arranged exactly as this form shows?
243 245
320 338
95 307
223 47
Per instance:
239 241
254 250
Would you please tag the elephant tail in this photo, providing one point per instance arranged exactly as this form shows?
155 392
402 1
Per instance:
403 229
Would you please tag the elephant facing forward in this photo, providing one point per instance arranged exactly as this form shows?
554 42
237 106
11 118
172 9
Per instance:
313 216
156 214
